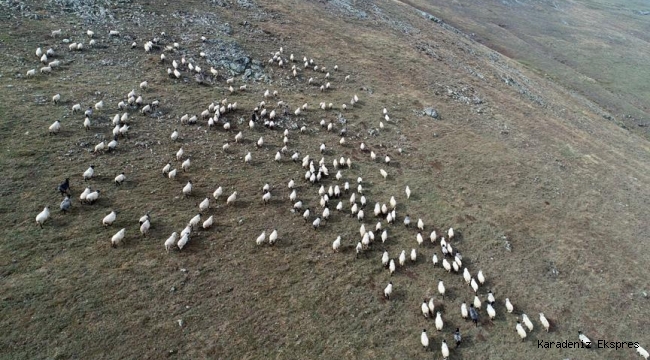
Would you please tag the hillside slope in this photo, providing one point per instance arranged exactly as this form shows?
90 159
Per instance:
548 199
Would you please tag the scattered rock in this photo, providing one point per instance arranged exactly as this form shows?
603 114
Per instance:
431 112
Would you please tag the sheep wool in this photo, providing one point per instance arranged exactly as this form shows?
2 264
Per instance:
42 216
544 321
109 219
117 238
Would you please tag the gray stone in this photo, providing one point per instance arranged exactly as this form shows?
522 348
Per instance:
431 112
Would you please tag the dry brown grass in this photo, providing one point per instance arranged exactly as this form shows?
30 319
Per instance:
566 188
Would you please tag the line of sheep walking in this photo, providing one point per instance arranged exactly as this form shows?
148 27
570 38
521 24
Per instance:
331 189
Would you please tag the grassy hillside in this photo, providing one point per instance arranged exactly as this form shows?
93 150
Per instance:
547 197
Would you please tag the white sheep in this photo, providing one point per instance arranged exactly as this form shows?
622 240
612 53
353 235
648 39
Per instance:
144 228
183 241
46 70
186 164
194 222
480 277
527 322
544 321
439 322
231 199
117 238
55 127
109 219
441 288
491 312
31 73
509 306
643 352
260 239
187 189
88 174
172 174
42 216
521 331
92 196
208 223
424 339
119 179
388 290
204 205
169 243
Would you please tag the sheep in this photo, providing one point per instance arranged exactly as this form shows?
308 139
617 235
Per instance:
424 339
65 204
439 322
45 70
467 276
414 255
480 277
42 216
56 33
31 73
169 243
87 123
522 332
527 322
446 265
119 179
544 321
92 197
113 33
383 173
92 42
186 164
144 228
208 223
509 306
491 312
260 142
420 224
239 137
248 158
643 352
231 199
187 189
194 222
90 33
388 290
109 219
273 237
444 349
172 174
117 238
266 198
490 297
419 238
80 46
441 288
72 47
183 241
434 259
144 85
463 310
55 128
316 223
260 239
174 135
100 147
474 285
179 154
88 174
204 205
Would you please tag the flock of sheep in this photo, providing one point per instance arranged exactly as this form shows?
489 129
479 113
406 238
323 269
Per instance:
267 113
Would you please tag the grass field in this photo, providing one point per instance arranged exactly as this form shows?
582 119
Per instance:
515 160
